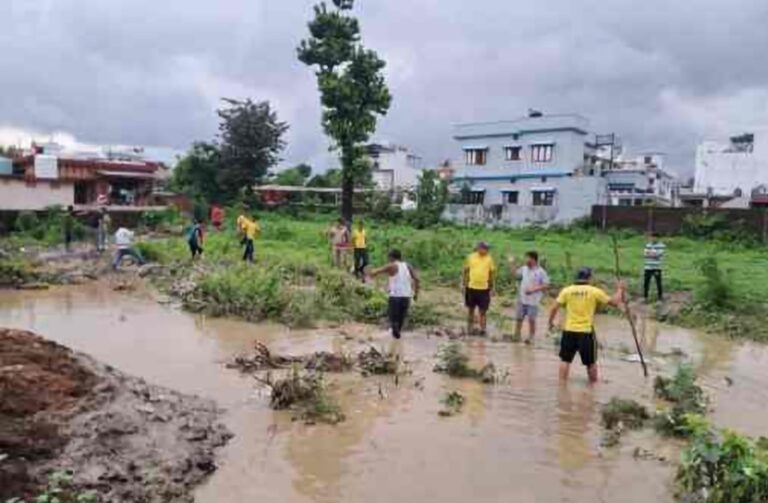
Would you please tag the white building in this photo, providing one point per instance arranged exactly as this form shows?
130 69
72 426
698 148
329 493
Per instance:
539 169
393 167
641 180
734 167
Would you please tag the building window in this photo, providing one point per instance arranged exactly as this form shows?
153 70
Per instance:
543 197
476 156
513 153
542 153
473 197
512 197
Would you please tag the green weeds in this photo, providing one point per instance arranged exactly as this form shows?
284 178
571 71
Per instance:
686 398
306 394
452 402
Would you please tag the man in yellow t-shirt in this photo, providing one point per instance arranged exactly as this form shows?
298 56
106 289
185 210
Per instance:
360 246
251 229
478 281
581 301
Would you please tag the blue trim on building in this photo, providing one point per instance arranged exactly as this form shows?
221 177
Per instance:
520 133
521 176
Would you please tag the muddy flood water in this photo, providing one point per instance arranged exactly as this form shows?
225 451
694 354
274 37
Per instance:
528 439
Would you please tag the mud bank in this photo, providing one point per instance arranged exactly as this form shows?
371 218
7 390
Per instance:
120 436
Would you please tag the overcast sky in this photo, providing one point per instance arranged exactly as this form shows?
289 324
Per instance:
662 74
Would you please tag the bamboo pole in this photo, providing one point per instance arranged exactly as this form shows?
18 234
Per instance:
627 311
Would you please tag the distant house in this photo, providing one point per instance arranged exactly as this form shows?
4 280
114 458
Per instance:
48 176
642 180
539 169
393 166
734 167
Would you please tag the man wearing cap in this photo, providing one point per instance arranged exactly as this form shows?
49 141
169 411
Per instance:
580 301
477 281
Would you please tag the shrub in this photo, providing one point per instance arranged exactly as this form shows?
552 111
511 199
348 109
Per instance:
723 467
717 290
687 399
306 394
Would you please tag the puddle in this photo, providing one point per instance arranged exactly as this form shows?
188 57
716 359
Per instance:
526 440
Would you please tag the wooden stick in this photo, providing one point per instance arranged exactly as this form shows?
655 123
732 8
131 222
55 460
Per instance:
627 310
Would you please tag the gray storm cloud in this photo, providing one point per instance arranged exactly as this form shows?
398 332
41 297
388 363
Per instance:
660 74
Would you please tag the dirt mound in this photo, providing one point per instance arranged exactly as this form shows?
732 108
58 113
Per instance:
38 379
124 438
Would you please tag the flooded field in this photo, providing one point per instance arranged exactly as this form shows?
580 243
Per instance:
528 439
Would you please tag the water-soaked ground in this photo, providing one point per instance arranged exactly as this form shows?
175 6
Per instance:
526 440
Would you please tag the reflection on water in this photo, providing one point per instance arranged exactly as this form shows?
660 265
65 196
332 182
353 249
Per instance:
529 439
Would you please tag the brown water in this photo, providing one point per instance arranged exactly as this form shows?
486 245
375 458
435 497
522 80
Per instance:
529 439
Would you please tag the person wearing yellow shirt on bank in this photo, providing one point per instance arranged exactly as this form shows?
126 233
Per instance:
580 301
251 229
359 244
477 281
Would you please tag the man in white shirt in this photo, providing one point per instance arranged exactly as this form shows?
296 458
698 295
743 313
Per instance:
124 243
533 281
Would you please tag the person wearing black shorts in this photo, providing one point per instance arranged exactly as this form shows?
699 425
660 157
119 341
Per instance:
583 344
580 301
477 280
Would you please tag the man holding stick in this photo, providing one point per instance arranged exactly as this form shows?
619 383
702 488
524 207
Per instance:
581 301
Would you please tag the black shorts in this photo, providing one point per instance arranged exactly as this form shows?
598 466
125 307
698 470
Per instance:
480 299
577 342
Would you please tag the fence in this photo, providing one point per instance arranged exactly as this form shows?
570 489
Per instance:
672 221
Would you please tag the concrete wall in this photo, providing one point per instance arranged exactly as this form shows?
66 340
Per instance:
724 171
574 198
17 194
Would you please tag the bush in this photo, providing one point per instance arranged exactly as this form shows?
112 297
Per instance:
717 290
723 467
687 399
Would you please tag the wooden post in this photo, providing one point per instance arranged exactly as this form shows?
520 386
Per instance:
627 310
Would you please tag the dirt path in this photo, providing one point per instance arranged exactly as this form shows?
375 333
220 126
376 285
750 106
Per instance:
124 438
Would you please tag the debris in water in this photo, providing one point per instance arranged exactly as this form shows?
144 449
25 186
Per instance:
452 360
453 402
620 411
304 393
263 359
375 362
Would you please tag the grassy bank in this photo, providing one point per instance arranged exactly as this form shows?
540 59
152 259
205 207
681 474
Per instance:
730 300
298 245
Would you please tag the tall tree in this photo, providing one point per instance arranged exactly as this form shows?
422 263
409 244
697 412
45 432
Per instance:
353 92
251 141
196 174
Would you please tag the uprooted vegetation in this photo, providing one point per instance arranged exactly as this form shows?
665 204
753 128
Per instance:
375 362
619 415
452 402
686 398
262 359
305 394
370 362
454 361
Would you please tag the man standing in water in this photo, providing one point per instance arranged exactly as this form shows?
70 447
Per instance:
654 254
403 286
533 281
580 301
477 281
359 238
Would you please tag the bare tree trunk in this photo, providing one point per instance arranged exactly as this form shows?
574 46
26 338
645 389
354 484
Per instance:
347 183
